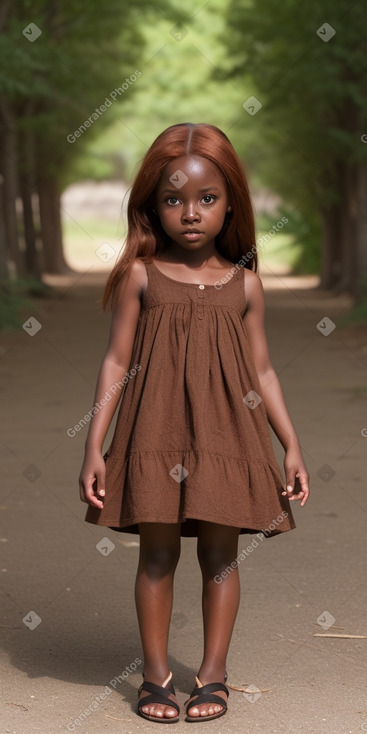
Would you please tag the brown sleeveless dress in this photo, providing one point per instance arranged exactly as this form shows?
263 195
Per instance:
192 439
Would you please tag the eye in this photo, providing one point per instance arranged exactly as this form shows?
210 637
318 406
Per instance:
170 199
209 196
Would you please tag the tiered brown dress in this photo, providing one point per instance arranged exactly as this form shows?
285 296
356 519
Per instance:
186 445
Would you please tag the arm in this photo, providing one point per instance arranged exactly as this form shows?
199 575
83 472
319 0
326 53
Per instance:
271 391
115 364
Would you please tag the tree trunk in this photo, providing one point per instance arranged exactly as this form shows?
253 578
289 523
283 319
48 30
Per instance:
361 289
9 163
349 263
4 270
51 231
31 256
27 184
331 249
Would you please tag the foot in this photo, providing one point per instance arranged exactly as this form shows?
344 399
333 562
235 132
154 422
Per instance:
207 709
157 710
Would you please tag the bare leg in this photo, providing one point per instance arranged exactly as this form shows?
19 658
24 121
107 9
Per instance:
159 553
217 548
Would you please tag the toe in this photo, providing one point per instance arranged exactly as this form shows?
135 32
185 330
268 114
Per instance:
157 711
193 711
170 712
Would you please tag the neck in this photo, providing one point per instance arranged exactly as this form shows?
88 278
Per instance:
194 258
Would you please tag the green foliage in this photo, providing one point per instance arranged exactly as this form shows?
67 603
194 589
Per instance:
84 52
303 237
314 106
176 85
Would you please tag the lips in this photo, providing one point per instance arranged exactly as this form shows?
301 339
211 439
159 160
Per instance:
192 231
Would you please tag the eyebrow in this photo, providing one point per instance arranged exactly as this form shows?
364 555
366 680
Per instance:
201 191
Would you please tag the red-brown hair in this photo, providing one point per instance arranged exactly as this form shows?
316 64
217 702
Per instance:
146 238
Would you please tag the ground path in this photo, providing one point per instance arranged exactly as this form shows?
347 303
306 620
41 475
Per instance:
88 634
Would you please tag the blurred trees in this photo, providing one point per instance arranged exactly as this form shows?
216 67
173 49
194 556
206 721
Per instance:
60 61
308 63
177 85
305 63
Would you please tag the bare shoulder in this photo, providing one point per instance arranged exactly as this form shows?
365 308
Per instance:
132 285
139 273
137 279
254 288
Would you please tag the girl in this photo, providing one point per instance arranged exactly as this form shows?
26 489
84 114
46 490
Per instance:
191 454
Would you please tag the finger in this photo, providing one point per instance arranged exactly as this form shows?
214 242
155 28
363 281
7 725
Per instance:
93 499
95 502
289 489
98 486
303 482
88 495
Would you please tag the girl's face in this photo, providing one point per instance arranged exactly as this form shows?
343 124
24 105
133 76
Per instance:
192 201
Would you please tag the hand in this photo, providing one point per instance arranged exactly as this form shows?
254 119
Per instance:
93 471
296 476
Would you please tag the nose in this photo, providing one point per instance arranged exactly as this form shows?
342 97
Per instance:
190 212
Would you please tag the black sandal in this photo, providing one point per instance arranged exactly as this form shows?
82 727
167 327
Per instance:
204 694
158 695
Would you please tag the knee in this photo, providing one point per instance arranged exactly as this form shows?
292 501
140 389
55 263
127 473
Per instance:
159 561
214 559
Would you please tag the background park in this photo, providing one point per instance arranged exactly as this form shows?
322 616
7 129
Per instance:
84 90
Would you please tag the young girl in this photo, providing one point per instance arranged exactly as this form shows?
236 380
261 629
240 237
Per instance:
191 453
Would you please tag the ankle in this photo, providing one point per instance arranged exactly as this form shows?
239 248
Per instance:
211 674
156 674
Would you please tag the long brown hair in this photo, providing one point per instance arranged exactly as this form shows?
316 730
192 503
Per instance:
146 237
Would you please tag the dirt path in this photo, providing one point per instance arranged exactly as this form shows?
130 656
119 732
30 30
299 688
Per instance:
68 663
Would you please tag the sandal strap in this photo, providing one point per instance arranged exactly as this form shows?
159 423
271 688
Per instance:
210 688
158 695
205 695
